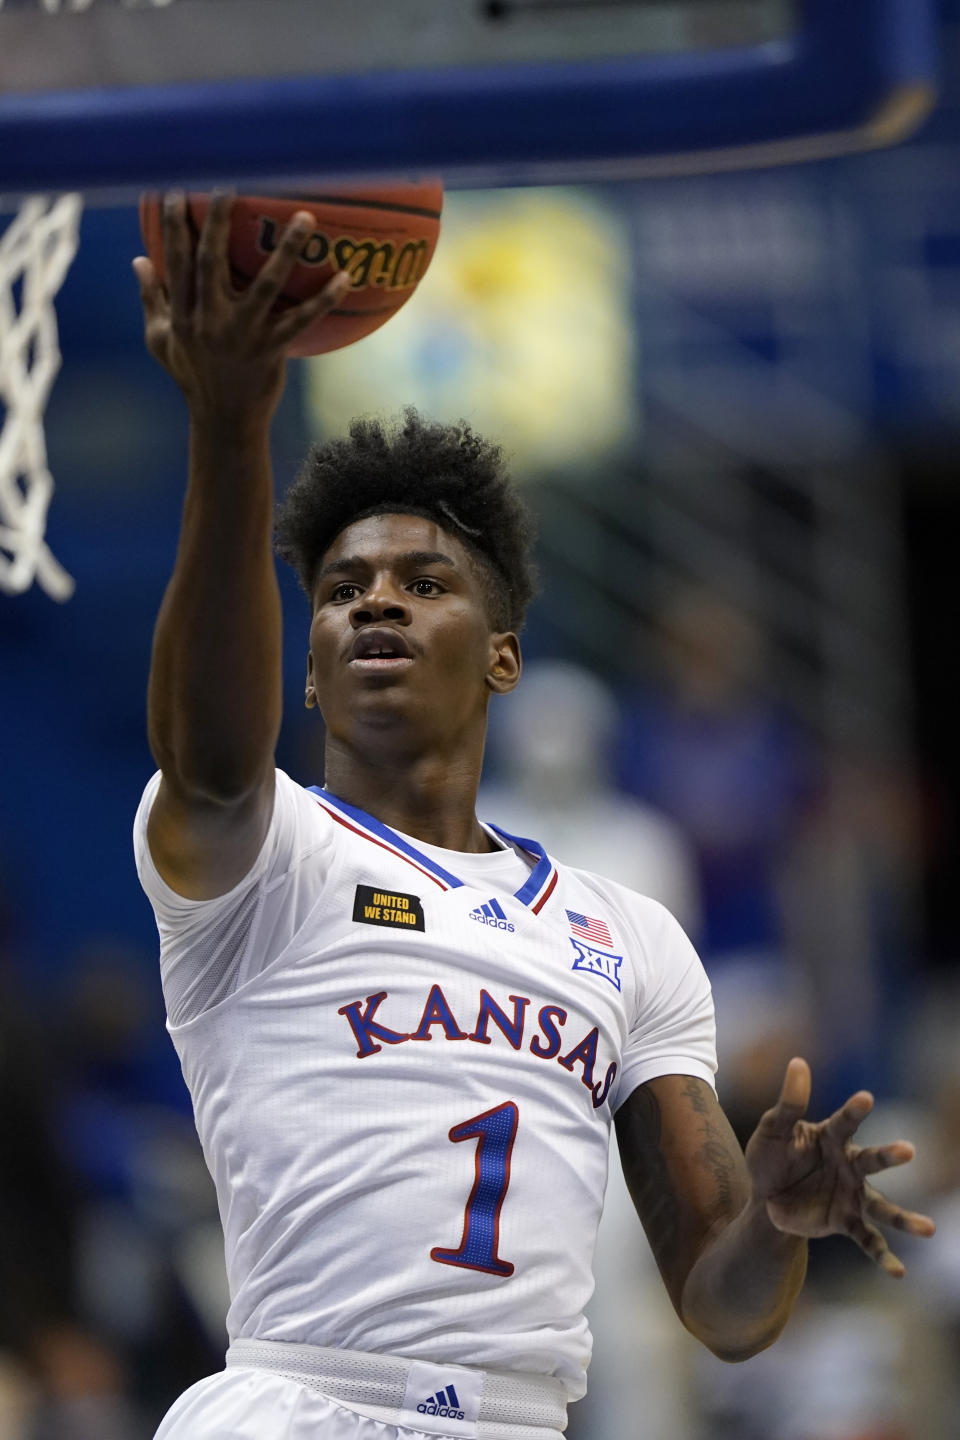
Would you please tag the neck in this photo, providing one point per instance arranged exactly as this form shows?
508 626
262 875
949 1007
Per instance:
431 797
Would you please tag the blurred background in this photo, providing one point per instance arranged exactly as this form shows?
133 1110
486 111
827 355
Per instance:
734 404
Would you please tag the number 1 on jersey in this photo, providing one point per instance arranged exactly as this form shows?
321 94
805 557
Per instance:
494 1131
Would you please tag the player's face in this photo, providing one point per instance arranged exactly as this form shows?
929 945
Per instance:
401 639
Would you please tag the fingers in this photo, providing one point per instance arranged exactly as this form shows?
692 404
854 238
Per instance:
212 264
872 1243
156 308
295 321
843 1123
178 250
152 293
793 1102
271 279
205 276
883 1212
874 1158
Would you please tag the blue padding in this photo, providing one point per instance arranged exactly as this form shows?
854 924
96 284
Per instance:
492 123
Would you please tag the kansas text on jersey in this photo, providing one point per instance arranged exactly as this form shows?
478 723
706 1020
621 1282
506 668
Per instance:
408 1120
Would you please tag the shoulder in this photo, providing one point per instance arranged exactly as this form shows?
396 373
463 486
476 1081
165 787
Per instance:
645 919
663 961
164 845
292 802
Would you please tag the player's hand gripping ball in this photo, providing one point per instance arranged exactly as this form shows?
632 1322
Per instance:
384 236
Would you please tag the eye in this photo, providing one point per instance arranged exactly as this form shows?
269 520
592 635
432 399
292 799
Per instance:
338 591
425 586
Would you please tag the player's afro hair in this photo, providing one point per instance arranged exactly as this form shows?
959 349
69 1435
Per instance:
411 466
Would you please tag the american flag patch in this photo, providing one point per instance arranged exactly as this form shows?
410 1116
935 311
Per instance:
589 929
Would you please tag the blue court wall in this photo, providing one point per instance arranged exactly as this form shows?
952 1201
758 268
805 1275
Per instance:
72 721
73 677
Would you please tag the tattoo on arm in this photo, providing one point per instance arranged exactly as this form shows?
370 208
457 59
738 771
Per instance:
648 1178
684 1169
714 1155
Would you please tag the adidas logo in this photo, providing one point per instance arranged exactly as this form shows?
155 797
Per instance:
445 1403
492 913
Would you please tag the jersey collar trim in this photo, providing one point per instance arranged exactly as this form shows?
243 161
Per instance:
371 829
543 877
534 892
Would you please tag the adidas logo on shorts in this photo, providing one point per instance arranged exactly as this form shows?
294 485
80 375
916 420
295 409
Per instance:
445 1403
492 913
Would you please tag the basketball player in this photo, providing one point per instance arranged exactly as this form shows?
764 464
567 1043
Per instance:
407 1034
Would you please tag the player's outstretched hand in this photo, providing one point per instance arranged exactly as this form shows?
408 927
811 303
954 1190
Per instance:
226 348
814 1179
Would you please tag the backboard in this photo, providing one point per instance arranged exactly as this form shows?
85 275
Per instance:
113 96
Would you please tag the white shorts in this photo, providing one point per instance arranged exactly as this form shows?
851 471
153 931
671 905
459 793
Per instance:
279 1391
255 1405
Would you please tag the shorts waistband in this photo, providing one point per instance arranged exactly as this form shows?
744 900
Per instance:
514 1407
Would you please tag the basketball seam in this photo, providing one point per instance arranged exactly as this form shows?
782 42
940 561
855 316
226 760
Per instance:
385 205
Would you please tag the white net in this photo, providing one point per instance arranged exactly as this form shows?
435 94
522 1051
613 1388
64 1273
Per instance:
35 253
36 250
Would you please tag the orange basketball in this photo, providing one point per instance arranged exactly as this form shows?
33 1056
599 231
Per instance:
383 235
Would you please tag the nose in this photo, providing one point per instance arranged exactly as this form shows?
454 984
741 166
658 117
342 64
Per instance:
382 600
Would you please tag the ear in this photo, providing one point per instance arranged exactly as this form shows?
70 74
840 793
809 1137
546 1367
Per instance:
310 699
506 663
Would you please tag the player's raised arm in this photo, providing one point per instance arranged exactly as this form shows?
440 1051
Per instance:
214 699
729 1232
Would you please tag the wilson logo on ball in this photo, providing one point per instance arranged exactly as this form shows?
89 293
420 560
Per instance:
370 262
382 236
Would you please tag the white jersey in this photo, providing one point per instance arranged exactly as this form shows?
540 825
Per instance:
404 1063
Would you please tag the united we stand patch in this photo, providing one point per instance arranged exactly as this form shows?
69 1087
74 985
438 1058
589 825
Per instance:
388 907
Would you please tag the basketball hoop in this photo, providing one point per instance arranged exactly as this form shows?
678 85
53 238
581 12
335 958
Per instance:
113 97
36 251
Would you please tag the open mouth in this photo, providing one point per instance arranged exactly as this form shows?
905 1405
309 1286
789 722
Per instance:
381 662
380 650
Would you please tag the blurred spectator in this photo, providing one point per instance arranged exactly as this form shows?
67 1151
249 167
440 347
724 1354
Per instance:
150 1250
861 1364
83 1391
554 741
37 1199
710 750
851 905
931 1056
737 774
58 1381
